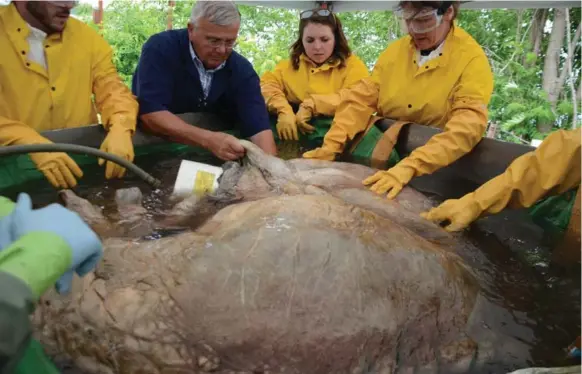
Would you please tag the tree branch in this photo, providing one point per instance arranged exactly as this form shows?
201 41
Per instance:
569 66
519 22
551 72
571 47
515 136
515 49
536 35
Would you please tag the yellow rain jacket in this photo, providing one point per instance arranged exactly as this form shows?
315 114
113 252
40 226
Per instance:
450 92
79 66
552 169
285 85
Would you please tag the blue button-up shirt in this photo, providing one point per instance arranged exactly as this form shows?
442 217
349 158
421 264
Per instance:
166 79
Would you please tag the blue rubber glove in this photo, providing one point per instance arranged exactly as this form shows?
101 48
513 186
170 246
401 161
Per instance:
84 243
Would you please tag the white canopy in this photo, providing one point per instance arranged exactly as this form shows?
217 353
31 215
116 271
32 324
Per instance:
351 6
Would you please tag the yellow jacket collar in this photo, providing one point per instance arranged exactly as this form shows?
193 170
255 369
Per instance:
447 48
13 21
330 64
16 26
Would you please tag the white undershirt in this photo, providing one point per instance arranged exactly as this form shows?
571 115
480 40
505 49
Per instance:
36 52
431 56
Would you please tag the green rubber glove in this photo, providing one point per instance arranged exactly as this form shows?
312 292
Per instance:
6 206
71 242
37 265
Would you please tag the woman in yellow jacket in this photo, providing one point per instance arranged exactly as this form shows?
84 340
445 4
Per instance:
321 63
437 75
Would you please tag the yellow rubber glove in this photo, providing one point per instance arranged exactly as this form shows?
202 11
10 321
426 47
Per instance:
286 126
320 154
304 115
272 90
554 167
58 168
390 181
458 212
117 142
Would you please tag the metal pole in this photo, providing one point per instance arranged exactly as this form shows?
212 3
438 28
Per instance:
98 15
171 5
492 130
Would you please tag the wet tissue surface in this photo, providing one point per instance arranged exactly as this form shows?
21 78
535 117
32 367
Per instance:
532 308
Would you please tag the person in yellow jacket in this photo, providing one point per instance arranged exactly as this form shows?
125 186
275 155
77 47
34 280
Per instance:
51 66
552 169
321 63
437 75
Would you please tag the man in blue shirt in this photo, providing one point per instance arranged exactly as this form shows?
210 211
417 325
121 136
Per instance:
195 70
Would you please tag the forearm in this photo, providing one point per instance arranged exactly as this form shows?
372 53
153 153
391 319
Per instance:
352 115
17 133
277 102
325 105
170 126
272 91
265 141
553 168
26 272
115 102
462 133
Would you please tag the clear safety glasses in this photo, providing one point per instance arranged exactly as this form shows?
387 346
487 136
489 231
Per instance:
420 21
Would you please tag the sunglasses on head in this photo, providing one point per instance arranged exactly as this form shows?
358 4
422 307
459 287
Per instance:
319 12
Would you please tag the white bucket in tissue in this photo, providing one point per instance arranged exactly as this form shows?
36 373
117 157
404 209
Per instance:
196 178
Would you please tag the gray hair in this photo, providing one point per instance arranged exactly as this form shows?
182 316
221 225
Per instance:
221 13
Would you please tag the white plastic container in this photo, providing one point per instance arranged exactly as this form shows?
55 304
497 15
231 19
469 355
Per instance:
196 178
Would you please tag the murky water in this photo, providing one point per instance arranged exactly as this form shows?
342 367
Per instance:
532 307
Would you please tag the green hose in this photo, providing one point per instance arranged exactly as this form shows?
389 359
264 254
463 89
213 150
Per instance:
79 149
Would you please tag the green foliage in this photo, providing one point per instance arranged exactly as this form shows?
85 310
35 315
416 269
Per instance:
520 107
266 35
519 104
134 22
369 33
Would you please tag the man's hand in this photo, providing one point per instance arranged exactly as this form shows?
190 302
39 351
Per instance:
225 146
